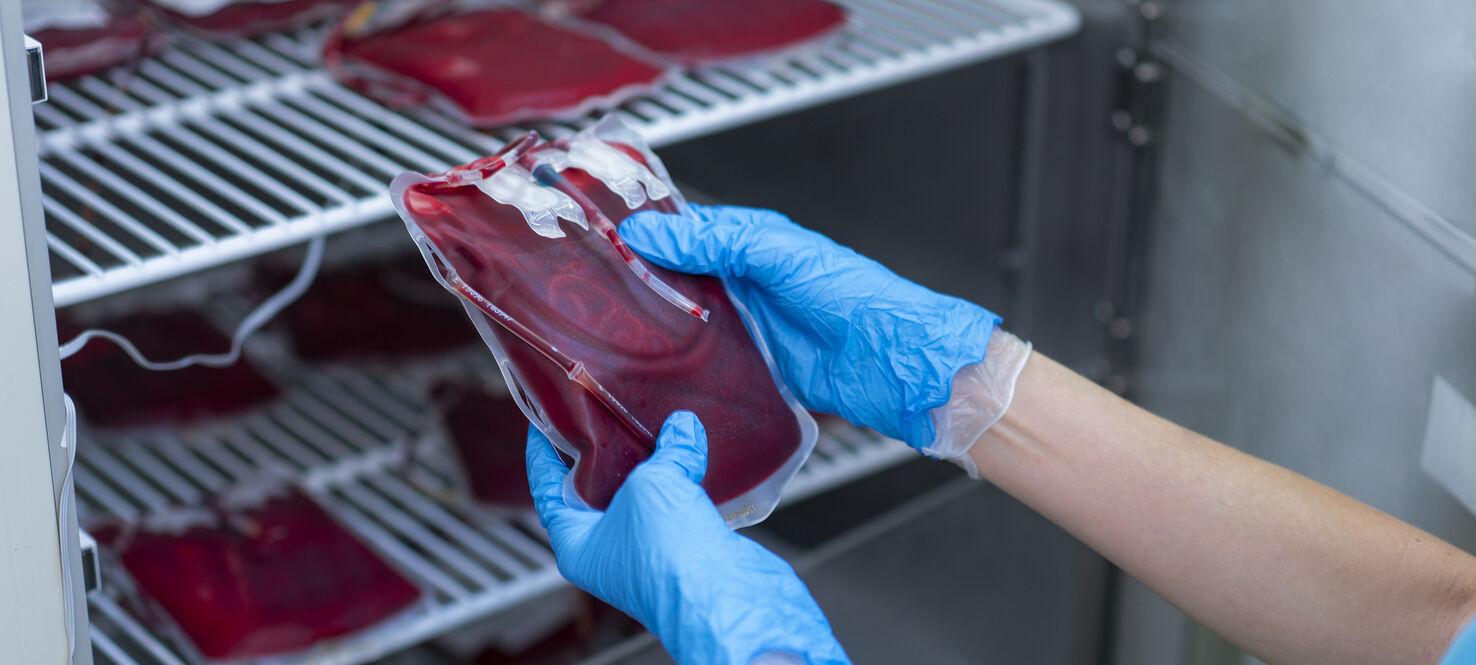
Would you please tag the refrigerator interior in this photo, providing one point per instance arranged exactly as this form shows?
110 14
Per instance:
936 135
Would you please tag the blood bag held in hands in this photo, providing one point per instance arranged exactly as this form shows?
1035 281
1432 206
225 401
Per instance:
489 66
243 18
82 36
259 571
113 391
598 347
488 434
700 32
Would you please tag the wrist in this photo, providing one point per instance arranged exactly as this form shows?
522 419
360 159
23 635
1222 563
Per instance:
949 335
981 394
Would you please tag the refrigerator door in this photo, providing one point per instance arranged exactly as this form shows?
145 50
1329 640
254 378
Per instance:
43 618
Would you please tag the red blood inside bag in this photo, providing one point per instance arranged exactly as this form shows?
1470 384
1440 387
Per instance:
578 294
250 582
695 32
244 19
77 51
388 311
493 66
489 434
113 391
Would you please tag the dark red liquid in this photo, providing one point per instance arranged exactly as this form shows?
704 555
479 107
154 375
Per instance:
267 580
576 293
244 19
390 311
490 436
112 391
699 31
74 52
499 65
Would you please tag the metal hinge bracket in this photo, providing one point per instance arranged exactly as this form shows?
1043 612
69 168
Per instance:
1134 110
36 69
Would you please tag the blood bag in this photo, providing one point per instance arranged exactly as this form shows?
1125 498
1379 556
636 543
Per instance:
244 18
697 32
488 434
599 347
112 390
381 311
491 66
259 571
81 36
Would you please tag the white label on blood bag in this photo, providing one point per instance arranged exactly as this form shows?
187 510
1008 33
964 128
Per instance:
1449 453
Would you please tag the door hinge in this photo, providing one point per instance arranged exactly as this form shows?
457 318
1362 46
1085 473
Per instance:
36 69
1134 110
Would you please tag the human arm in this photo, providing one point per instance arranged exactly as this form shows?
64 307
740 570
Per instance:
1284 567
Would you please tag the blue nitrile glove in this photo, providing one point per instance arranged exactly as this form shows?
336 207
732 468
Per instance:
662 554
849 336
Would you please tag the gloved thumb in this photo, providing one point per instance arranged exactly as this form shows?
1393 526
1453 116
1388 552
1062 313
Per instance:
680 243
681 446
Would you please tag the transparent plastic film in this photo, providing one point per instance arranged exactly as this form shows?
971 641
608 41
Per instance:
547 176
632 181
596 346
258 573
487 64
248 326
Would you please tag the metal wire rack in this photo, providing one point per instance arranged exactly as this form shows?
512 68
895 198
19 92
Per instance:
210 152
345 432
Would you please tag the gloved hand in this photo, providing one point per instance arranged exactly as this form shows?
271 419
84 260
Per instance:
662 554
849 336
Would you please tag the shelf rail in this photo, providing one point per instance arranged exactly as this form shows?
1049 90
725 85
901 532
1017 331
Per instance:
344 433
211 152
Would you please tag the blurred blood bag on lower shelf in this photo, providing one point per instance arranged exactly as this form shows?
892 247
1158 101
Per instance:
113 391
261 571
489 434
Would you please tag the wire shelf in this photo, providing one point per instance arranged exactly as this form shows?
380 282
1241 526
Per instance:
211 152
344 433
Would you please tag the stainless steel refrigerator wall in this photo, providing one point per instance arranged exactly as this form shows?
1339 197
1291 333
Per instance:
1312 268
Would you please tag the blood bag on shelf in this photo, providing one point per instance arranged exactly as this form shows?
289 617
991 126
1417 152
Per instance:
260 571
598 346
388 310
699 32
243 18
81 36
490 66
487 434
111 390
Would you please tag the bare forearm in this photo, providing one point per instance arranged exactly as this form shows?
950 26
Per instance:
1287 568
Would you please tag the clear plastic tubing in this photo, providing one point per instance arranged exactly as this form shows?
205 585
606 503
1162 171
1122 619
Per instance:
573 368
548 177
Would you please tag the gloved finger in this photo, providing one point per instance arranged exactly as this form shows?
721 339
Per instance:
739 215
546 474
681 447
678 243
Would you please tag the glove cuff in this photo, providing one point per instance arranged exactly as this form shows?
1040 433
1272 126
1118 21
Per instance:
982 392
